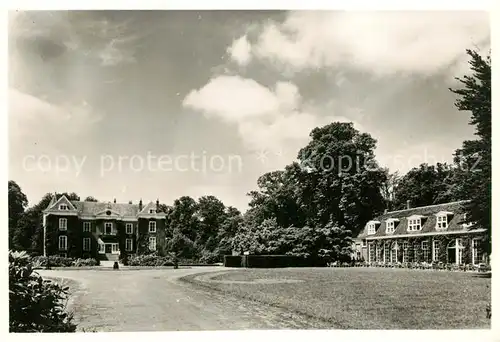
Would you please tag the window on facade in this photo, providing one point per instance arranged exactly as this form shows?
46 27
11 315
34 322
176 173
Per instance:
425 251
414 224
394 252
108 227
371 252
63 207
455 252
102 248
364 243
152 243
86 244
114 248
63 224
442 222
389 227
380 253
128 245
387 252
414 257
86 226
435 250
63 242
405 251
152 211
152 226
129 228
475 251
371 228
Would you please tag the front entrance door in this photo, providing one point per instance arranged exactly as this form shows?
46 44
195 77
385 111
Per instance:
108 248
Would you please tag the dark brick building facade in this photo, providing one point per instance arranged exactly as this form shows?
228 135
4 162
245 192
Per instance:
103 231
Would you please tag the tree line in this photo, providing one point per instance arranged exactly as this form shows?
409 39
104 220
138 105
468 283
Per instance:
318 203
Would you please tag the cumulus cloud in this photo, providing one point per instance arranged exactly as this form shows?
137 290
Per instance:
382 43
233 98
265 118
35 121
240 51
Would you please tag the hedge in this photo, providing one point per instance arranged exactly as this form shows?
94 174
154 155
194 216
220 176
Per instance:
272 261
149 260
232 261
58 261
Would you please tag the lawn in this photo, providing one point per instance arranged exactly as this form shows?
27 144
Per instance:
365 298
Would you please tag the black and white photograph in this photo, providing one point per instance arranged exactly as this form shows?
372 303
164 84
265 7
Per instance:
240 170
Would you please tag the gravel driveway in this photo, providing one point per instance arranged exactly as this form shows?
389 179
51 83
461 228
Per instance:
156 300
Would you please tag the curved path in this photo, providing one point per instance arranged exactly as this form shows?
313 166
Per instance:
155 299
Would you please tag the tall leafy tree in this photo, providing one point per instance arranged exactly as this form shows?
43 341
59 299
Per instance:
17 203
27 235
183 223
425 185
474 158
277 198
71 196
90 199
388 189
342 179
227 231
211 214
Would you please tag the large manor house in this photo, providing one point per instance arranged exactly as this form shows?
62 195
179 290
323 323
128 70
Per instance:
431 234
102 230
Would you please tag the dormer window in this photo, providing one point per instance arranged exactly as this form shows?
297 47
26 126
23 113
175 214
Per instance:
63 207
390 226
152 211
442 222
442 219
414 223
372 227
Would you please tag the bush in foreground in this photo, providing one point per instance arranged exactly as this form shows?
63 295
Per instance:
35 304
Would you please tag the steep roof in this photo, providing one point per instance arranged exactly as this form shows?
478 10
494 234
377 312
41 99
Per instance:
83 208
455 220
93 208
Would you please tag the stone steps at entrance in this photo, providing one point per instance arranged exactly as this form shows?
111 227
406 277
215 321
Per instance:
109 263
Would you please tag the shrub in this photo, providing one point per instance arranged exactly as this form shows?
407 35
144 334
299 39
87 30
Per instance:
149 260
85 262
54 261
57 261
210 258
35 304
124 260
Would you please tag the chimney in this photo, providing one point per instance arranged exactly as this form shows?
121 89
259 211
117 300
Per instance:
140 205
114 201
408 206
129 202
157 205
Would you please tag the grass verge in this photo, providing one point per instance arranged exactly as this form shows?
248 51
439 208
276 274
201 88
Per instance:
365 298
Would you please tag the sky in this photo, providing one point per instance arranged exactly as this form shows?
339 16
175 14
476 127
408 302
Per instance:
131 105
